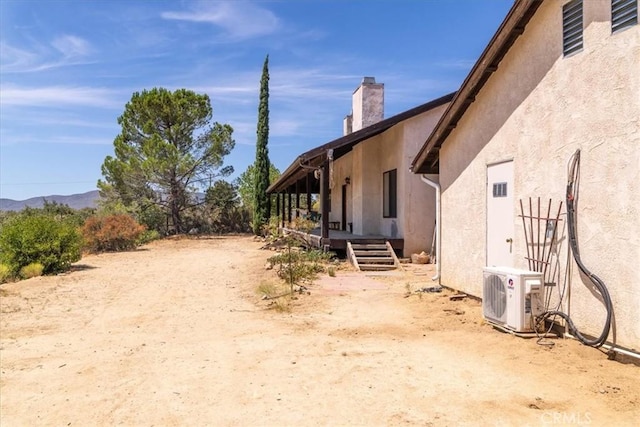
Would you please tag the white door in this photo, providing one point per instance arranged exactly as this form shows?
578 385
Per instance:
500 214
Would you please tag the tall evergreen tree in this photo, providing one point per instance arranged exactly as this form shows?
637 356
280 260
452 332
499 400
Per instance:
262 207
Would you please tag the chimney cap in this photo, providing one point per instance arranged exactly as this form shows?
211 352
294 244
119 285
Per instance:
368 80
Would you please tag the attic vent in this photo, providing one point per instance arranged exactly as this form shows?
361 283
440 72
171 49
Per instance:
572 27
624 13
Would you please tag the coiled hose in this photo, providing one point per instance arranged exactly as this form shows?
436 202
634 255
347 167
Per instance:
573 177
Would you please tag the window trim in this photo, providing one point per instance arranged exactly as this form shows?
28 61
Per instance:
390 194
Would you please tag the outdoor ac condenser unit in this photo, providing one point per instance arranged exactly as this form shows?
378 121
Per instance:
512 298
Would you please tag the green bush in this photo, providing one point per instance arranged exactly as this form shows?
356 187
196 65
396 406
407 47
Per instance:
32 270
148 236
111 233
37 238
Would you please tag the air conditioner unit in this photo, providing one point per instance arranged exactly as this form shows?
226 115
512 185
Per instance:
512 298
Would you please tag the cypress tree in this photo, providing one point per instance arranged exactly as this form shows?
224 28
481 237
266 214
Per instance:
262 205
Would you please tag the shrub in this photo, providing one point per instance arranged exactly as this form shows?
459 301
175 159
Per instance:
36 238
117 232
32 270
148 236
5 273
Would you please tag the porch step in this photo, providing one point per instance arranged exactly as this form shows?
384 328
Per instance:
375 259
360 252
376 267
369 246
372 256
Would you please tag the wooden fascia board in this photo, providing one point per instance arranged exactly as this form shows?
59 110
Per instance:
511 28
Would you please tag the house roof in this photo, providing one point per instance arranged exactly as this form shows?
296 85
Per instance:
427 159
313 158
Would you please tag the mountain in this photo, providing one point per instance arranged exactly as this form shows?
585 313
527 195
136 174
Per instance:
75 201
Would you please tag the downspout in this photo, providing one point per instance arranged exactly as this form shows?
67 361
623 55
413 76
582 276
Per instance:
436 230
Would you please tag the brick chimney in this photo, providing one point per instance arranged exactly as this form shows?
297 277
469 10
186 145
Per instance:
367 106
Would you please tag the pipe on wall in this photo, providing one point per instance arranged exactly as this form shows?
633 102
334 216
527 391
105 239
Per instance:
436 230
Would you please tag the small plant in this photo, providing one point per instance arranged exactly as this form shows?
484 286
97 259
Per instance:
271 230
331 271
113 233
5 273
34 269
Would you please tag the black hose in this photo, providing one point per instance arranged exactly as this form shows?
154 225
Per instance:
572 194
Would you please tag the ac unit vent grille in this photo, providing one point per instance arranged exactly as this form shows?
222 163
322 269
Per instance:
495 298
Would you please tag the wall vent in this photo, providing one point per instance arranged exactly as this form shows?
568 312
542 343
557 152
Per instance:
624 13
572 27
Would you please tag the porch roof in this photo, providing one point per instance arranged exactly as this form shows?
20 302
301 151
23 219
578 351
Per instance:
427 160
312 159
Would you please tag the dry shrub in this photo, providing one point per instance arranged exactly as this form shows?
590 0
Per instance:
111 233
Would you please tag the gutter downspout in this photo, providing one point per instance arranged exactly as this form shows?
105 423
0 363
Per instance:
436 230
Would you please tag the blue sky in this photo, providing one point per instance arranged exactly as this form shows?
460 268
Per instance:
67 69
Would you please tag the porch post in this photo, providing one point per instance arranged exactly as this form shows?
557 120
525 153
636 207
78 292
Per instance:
289 212
309 178
283 211
324 198
298 199
277 204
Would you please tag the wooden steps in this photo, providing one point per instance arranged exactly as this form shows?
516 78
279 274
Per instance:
372 255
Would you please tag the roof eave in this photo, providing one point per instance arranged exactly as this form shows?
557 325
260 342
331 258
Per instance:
426 161
315 156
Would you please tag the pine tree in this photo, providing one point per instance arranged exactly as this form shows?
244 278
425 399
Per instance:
262 207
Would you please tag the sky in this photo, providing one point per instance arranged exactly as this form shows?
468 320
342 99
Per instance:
68 68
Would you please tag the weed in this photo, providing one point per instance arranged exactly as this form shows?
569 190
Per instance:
267 289
331 271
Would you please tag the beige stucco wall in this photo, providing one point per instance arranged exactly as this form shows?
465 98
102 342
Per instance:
365 165
537 109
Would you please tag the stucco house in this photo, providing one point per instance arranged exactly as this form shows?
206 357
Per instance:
363 178
557 77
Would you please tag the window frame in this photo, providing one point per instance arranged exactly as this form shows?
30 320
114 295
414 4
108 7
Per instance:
390 194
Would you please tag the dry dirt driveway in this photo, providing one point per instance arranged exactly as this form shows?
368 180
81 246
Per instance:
174 334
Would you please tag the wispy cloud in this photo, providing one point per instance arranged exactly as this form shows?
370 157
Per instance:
239 19
65 50
59 96
71 46
13 58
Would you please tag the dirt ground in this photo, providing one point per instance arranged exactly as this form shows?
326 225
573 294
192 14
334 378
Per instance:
175 334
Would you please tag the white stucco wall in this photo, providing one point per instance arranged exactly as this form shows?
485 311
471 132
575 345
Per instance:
537 109
365 165
419 199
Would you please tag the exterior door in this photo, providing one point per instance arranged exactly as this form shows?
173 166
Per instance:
500 214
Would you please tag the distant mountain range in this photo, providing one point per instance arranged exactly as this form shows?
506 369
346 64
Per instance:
75 201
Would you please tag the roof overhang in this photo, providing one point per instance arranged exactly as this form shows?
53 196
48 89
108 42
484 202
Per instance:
305 163
427 159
